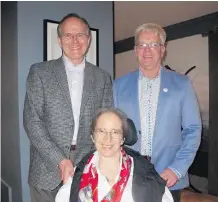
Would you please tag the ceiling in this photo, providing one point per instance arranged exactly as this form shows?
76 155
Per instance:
129 15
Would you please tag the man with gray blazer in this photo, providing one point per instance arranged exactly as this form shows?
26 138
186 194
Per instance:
62 96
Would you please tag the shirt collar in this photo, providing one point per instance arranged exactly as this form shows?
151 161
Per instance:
141 76
71 67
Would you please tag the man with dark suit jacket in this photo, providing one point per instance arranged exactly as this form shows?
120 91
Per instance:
62 95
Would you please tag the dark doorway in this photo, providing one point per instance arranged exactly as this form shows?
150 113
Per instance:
213 114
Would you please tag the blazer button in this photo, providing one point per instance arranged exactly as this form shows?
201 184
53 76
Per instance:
67 147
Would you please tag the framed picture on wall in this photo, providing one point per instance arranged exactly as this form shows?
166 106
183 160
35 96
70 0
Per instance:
52 49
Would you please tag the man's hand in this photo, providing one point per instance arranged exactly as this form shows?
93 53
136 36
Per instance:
169 176
66 169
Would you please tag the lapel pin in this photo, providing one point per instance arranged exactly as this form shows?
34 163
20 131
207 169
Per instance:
165 90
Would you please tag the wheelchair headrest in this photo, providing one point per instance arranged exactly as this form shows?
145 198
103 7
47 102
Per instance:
130 135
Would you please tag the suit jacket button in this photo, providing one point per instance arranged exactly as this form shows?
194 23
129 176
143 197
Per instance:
67 147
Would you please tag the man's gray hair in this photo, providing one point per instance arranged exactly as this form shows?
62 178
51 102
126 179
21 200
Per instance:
73 15
151 27
122 116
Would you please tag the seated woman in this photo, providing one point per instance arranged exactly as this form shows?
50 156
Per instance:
113 173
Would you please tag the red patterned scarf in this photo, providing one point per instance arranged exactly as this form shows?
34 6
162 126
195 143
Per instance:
89 182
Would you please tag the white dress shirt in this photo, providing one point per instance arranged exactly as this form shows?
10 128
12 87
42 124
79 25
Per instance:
148 98
104 187
75 77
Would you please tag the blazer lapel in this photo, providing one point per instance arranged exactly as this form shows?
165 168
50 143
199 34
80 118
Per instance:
134 99
87 87
60 73
163 95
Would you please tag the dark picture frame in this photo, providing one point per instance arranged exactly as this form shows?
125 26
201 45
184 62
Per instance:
52 49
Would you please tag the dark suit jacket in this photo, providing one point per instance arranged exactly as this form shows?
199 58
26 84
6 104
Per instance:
48 117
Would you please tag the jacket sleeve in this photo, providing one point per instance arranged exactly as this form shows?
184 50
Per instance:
34 125
191 132
108 95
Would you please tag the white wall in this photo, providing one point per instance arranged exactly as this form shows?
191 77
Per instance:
125 62
187 52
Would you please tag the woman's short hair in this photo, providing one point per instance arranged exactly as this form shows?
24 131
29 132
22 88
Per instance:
73 15
121 115
151 27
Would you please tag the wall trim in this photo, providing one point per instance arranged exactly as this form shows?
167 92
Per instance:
213 108
6 191
201 25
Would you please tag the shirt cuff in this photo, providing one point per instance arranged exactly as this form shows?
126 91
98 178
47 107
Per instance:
167 196
178 174
63 194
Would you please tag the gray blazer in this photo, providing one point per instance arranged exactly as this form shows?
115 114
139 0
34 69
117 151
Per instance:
48 117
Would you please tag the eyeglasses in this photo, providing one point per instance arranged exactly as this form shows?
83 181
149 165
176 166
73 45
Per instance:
78 36
115 134
150 45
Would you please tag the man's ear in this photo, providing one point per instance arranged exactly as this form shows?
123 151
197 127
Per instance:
59 42
135 50
89 43
92 139
163 51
